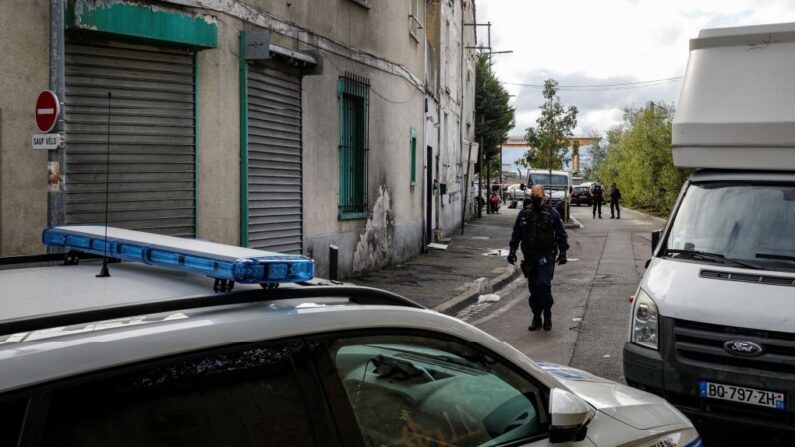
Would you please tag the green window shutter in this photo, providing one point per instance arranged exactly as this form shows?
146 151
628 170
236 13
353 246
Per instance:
353 93
413 145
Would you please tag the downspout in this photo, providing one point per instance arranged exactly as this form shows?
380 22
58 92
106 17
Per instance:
55 198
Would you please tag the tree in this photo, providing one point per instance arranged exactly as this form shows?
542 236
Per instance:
548 141
598 153
493 116
639 160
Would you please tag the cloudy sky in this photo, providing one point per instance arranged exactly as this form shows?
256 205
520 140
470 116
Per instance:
607 42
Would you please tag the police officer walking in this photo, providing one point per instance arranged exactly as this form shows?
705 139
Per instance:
615 197
540 231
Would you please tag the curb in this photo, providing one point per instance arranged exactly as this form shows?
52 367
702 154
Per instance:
457 303
574 223
656 219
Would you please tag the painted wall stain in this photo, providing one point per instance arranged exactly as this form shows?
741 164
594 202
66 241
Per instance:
374 249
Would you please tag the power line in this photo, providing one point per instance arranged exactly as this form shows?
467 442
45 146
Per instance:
603 86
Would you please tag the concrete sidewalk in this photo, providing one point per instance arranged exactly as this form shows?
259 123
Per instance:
449 280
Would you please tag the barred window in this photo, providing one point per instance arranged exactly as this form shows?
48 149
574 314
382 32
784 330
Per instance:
354 98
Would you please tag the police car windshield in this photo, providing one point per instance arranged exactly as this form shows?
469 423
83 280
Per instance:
547 180
738 221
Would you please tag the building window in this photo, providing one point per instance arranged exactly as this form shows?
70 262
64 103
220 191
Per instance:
413 148
354 94
414 21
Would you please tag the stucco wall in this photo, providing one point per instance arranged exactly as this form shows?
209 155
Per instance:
381 30
24 72
219 136
395 108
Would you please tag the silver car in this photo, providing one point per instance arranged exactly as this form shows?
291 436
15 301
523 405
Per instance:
152 355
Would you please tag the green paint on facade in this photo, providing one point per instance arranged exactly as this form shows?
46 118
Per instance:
144 22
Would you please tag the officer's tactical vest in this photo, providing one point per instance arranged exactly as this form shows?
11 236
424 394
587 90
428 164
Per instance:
538 233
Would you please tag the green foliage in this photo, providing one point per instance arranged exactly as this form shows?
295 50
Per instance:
639 160
493 116
548 141
598 152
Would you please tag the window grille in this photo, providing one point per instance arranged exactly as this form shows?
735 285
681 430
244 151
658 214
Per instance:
354 99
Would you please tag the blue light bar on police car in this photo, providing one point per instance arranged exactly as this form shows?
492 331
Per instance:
242 265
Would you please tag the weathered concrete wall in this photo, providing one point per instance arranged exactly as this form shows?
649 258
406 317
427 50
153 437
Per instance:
391 59
395 108
457 101
24 72
219 136
381 30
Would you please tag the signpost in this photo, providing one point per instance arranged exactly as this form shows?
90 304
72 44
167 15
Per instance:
48 109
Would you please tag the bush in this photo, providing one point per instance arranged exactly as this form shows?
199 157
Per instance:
640 162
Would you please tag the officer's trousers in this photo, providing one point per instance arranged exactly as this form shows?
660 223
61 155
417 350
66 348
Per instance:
597 205
614 203
539 271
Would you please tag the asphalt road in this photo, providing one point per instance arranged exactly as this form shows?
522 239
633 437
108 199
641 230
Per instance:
590 313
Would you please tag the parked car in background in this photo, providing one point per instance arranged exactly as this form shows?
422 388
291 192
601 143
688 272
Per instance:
514 192
580 195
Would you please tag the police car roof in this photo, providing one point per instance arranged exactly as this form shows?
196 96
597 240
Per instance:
36 291
44 297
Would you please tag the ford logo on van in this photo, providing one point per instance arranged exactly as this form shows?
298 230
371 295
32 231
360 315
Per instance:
743 348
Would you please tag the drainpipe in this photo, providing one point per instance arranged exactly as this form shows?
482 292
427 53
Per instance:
55 199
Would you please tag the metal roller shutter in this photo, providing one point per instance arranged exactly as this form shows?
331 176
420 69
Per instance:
274 160
152 152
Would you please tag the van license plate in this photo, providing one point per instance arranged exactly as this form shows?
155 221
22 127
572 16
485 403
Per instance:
742 394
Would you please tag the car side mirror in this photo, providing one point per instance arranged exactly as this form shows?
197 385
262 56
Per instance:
655 239
522 186
570 417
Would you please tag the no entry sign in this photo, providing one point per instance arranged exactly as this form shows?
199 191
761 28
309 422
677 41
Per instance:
48 108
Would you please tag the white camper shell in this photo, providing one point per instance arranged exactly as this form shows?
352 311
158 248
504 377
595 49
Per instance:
737 105
712 325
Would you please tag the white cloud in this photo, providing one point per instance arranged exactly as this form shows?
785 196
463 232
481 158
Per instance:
611 41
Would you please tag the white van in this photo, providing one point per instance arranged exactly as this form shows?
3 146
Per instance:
712 325
557 184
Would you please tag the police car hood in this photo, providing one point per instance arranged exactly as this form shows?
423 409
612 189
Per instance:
638 409
718 294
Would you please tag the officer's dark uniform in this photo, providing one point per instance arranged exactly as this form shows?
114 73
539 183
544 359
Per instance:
615 196
541 234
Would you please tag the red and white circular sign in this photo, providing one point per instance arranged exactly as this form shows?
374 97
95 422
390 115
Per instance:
48 108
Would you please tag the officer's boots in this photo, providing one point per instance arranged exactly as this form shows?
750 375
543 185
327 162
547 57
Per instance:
547 320
536 324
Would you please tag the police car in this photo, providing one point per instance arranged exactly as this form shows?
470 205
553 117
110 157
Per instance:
192 343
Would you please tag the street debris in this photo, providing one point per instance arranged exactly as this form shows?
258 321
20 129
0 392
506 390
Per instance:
498 252
488 298
436 246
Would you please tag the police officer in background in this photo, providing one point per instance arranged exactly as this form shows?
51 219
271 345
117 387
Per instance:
597 194
540 231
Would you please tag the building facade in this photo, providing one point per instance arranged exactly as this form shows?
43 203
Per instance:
451 94
286 126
